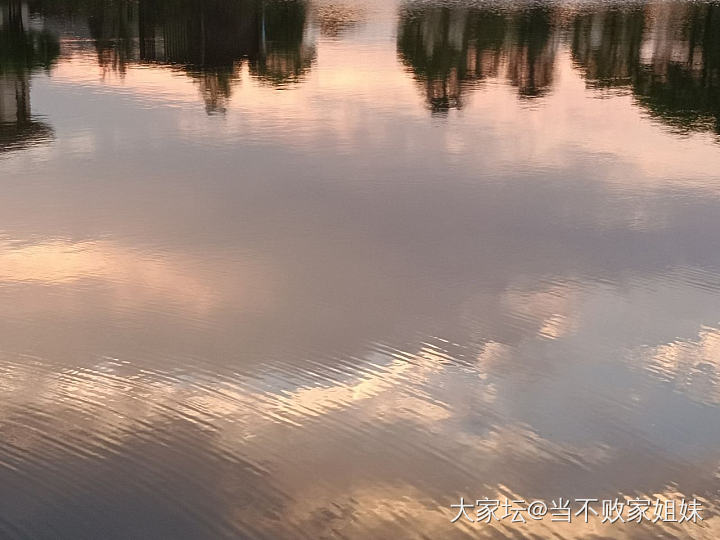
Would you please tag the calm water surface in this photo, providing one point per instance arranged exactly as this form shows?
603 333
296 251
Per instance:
285 269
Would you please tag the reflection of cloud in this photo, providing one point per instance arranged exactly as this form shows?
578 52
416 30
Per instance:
376 381
374 253
385 510
578 529
693 366
370 510
543 137
143 277
139 399
553 308
517 443
116 404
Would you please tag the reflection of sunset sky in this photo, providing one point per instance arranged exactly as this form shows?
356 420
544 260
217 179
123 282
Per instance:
517 298
334 101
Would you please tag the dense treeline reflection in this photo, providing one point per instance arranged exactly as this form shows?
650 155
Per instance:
451 48
22 50
209 39
667 54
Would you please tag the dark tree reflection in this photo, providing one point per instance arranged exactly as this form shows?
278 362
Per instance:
606 44
450 48
22 50
667 54
531 50
208 39
284 54
434 43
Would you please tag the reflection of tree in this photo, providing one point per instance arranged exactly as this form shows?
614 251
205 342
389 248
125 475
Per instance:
112 26
208 39
607 45
667 54
21 51
451 48
434 42
532 51
685 91
284 54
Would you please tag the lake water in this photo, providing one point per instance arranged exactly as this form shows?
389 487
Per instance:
285 269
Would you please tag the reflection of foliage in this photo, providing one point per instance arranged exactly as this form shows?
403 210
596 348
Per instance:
434 44
111 26
620 31
686 93
32 50
21 49
451 48
666 54
532 56
215 87
208 39
679 80
284 55
18 135
199 33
